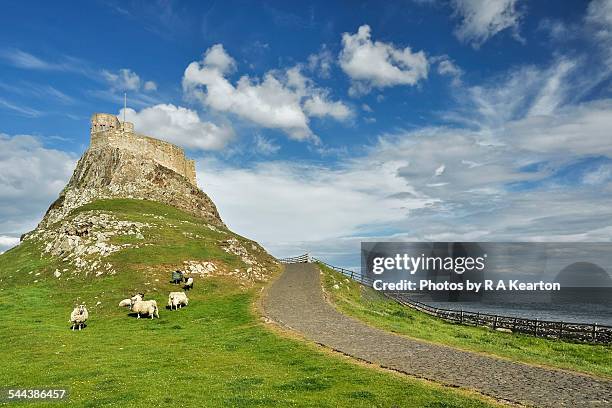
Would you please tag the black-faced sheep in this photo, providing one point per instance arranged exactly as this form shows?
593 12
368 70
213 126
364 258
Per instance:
145 307
177 299
79 316
189 284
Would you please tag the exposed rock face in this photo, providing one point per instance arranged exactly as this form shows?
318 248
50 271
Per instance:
84 241
122 165
254 270
109 172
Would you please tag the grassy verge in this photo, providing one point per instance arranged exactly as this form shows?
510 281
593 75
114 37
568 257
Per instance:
373 308
213 353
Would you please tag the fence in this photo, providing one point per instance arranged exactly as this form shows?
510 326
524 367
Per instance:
296 259
581 332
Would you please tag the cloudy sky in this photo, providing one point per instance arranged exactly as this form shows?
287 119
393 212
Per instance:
316 125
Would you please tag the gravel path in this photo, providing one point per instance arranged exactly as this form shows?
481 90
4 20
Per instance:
296 301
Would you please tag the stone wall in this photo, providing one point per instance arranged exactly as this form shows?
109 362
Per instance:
106 130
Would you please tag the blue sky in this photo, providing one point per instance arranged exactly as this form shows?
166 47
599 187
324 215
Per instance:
318 124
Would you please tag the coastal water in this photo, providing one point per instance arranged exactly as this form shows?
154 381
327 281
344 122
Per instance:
580 305
579 272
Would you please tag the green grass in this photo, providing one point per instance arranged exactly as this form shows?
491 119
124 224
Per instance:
370 306
214 353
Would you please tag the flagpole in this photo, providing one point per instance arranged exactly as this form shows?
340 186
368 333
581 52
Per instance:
124 107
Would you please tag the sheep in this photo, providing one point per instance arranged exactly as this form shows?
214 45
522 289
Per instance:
137 297
126 303
189 284
177 299
79 316
147 307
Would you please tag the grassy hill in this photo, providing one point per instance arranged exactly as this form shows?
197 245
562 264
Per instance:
216 352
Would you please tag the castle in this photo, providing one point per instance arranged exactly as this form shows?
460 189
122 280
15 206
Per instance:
107 130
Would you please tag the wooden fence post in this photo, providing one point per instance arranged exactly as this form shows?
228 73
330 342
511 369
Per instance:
594 331
535 331
495 323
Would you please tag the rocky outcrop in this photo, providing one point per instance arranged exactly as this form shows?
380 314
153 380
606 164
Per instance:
106 172
86 240
83 241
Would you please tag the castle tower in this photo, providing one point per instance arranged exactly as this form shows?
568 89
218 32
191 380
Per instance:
108 131
104 122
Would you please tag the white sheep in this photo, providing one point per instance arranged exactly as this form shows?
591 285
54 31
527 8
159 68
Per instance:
126 303
137 297
189 284
177 299
146 307
79 316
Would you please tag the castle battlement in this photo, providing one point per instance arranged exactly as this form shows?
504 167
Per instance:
107 130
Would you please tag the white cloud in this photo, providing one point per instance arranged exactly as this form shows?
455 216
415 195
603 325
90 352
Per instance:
576 130
399 190
25 60
374 64
31 177
552 94
36 90
557 29
280 203
482 19
535 109
21 110
180 126
7 242
442 183
599 13
125 80
281 100
448 68
320 106
321 63
599 176
216 58
598 24
265 146
521 92
150 86
122 80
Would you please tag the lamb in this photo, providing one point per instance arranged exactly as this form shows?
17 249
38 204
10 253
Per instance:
189 284
126 303
146 307
79 316
177 299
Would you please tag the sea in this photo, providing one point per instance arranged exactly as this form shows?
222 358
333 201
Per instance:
578 305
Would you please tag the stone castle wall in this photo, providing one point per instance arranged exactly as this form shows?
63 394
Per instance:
106 130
